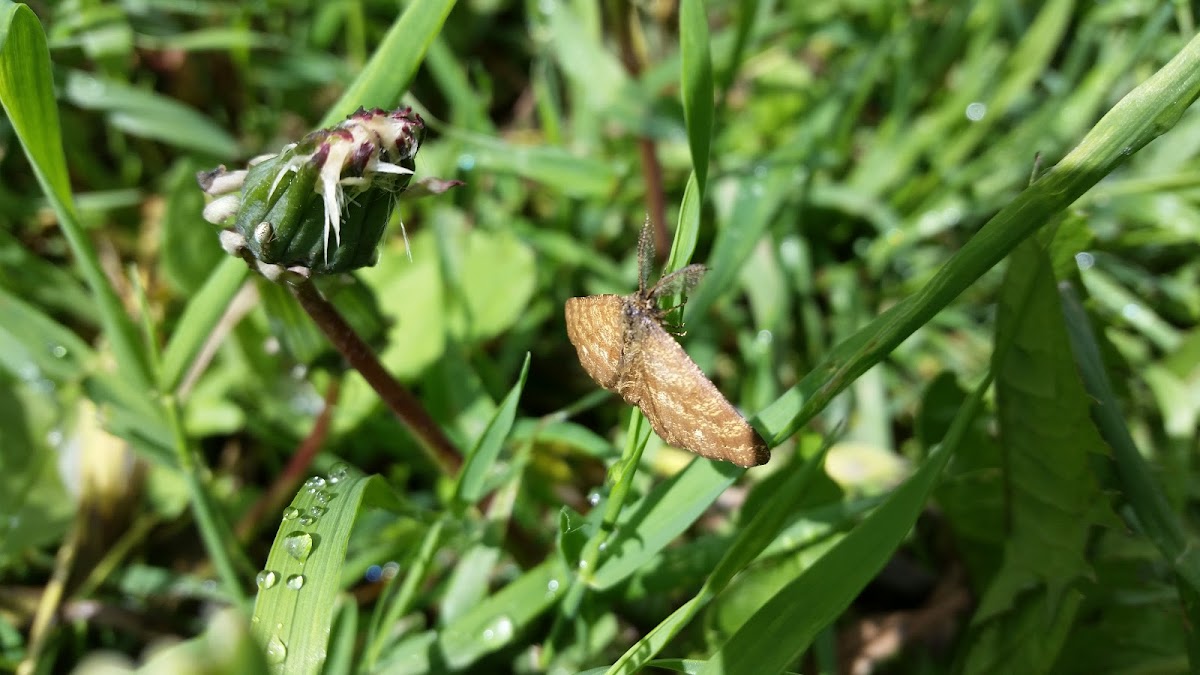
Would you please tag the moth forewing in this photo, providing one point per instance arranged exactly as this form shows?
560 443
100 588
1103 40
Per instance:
685 408
596 326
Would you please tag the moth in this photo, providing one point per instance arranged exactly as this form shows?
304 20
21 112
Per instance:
621 343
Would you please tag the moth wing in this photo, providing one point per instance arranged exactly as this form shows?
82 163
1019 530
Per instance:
596 326
685 408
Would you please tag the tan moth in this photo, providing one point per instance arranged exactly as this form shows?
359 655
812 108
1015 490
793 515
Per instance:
623 347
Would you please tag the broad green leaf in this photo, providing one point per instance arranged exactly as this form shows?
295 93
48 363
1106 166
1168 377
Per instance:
1054 500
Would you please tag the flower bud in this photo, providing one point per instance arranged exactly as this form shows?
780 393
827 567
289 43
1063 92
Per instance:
320 206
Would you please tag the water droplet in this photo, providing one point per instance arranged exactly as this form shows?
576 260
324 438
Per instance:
976 111
1085 260
594 497
603 546
552 586
322 497
54 438
271 345
314 483
299 371
290 513
307 521
298 545
391 569
499 631
266 579
583 564
58 351
339 472
316 511
466 162
276 650
374 573
295 582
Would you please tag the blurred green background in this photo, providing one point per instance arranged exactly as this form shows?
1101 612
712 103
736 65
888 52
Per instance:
855 148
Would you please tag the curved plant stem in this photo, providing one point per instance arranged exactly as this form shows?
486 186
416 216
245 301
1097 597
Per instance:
429 435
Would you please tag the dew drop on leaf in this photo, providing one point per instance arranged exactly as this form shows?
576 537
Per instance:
298 545
295 582
290 512
266 579
338 473
276 650
499 631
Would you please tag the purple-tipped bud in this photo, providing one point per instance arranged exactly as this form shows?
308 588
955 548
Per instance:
320 205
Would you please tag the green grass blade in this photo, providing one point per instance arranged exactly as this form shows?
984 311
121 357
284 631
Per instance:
653 522
293 614
391 68
1145 113
783 628
696 79
687 232
27 95
1154 515
472 483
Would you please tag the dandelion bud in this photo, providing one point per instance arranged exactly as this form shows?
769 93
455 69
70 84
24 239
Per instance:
320 206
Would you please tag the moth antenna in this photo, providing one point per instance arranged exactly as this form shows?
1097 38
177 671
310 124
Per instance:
645 256
679 281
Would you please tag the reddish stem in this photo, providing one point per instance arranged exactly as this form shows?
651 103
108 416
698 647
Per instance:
359 355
